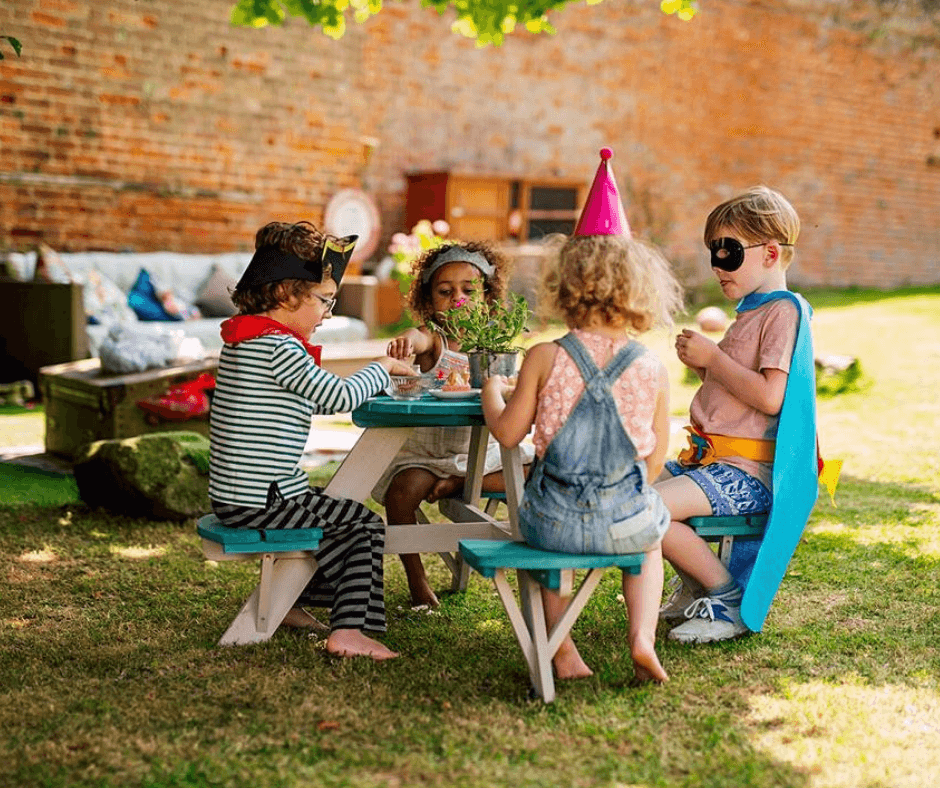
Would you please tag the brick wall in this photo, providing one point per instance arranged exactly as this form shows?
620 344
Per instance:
152 124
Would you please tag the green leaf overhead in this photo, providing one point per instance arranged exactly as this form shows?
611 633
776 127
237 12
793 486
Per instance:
485 21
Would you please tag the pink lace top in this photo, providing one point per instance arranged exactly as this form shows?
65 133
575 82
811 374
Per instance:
635 393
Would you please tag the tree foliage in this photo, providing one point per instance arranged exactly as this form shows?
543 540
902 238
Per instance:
17 47
486 21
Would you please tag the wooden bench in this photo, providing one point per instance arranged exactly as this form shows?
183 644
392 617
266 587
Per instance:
537 568
724 530
285 556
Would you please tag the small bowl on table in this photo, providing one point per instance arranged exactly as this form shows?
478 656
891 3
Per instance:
406 387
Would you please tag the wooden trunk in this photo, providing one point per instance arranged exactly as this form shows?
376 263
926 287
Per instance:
82 404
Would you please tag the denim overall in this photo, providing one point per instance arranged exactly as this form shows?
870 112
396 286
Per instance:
588 493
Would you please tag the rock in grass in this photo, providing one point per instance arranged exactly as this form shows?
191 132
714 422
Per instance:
164 476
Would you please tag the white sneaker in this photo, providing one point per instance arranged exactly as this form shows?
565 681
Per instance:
710 620
685 591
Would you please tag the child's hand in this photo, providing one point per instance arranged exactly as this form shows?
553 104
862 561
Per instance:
395 367
500 384
400 347
695 350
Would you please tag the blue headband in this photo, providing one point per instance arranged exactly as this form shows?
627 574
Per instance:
457 254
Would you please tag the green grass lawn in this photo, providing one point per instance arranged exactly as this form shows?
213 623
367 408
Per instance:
110 676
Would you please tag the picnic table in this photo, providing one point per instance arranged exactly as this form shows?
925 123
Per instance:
472 536
387 423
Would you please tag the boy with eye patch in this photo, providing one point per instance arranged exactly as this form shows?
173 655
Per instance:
729 466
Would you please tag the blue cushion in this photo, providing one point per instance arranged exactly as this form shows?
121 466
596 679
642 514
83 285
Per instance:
145 301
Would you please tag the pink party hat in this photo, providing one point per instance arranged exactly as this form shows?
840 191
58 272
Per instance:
603 212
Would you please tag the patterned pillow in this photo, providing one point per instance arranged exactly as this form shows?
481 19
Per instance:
104 302
49 266
178 307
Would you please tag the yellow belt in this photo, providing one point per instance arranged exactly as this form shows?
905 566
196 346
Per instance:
705 449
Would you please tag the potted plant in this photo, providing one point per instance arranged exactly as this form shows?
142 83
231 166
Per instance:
488 332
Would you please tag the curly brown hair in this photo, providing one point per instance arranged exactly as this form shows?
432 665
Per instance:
494 287
625 282
263 298
301 239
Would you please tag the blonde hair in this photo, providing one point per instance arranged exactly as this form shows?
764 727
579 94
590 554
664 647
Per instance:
624 282
760 214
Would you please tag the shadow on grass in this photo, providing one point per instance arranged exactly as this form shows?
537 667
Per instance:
105 644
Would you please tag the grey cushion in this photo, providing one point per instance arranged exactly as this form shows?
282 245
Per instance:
213 298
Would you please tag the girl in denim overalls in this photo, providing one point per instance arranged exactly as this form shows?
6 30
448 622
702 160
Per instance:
598 401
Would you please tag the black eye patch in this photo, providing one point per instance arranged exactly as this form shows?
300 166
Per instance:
728 253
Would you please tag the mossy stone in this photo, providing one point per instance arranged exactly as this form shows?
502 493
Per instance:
163 475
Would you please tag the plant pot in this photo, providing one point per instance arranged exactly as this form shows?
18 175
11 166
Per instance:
484 363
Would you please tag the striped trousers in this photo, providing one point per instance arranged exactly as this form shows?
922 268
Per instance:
349 578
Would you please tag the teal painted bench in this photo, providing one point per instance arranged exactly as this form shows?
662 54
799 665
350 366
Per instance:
537 568
493 499
724 530
287 564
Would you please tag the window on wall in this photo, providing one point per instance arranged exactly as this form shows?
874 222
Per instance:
547 207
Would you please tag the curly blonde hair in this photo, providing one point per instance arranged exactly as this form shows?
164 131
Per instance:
494 286
624 282
301 239
760 214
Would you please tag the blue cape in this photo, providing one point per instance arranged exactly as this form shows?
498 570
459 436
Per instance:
759 566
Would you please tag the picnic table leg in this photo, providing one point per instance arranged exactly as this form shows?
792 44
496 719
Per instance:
530 627
575 605
532 637
283 578
472 488
366 462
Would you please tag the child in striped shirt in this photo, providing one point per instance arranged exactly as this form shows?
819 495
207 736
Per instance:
269 384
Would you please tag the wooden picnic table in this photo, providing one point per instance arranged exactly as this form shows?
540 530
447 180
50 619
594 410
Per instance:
387 424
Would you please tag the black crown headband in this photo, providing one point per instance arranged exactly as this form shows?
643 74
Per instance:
271 264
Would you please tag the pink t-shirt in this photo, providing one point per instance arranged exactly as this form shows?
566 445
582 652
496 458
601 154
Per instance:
761 338
634 392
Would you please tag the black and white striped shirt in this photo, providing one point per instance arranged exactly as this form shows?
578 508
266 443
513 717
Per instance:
266 391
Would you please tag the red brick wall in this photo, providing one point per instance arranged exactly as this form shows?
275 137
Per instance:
152 124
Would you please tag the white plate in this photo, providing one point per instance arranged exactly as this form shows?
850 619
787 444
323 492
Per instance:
468 394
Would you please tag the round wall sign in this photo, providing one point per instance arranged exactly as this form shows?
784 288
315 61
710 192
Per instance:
353 212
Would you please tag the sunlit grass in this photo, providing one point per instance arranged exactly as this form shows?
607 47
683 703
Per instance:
110 676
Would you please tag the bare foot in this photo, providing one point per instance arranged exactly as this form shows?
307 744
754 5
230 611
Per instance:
298 618
422 594
353 643
445 488
646 665
568 663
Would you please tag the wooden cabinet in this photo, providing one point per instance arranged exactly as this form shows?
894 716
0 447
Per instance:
494 207
475 206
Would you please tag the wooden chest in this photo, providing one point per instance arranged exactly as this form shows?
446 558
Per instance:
82 404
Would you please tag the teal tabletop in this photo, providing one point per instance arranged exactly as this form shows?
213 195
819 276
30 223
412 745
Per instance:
426 411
